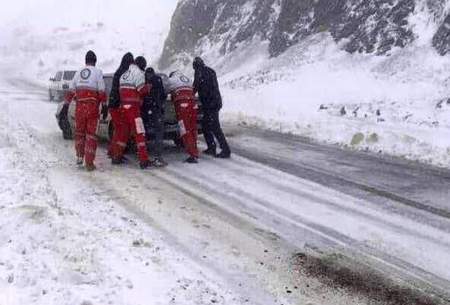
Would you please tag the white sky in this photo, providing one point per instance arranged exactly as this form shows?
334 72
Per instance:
45 14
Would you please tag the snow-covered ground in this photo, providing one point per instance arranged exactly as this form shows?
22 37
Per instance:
222 232
121 236
181 236
65 240
395 105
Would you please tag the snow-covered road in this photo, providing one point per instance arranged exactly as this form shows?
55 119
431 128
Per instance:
221 232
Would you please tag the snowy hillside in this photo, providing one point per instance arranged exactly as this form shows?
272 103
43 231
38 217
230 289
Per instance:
44 42
363 74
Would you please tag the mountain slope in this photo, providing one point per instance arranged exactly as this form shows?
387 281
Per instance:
367 74
365 26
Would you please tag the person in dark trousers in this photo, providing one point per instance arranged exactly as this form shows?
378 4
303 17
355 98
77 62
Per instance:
153 114
114 99
207 86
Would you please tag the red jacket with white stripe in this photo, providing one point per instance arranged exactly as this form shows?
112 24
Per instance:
180 88
133 88
88 86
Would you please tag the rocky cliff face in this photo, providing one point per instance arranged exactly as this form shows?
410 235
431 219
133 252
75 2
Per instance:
365 26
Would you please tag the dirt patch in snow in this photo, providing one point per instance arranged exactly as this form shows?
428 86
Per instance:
330 271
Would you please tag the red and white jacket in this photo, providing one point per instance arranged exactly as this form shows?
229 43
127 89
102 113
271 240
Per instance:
88 86
133 88
180 87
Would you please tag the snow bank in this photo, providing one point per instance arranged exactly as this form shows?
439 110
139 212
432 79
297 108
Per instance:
394 104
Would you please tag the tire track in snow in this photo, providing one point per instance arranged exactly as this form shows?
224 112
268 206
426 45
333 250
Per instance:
328 178
331 238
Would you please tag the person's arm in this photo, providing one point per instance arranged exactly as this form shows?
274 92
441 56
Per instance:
114 95
196 81
215 84
163 93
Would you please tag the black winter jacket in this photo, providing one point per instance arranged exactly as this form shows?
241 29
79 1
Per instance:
114 95
157 95
207 86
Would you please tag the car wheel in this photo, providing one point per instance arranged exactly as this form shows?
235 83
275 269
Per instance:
59 96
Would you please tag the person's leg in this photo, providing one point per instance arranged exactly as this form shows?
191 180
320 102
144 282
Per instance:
91 136
122 134
191 127
185 110
80 131
115 117
138 127
207 133
219 135
158 123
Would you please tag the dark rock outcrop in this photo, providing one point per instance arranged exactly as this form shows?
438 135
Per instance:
365 26
441 41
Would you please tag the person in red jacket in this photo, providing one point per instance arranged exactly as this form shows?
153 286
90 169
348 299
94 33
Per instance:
88 90
180 88
132 91
114 98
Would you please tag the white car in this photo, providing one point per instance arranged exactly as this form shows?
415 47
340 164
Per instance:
59 84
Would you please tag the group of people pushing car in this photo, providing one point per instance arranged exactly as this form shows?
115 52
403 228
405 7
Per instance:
136 102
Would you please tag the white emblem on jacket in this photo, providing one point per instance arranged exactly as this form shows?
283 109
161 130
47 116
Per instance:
88 78
178 80
133 78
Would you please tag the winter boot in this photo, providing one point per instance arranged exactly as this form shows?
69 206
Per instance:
145 164
191 160
90 167
224 155
159 162
210 152
116 161
79 161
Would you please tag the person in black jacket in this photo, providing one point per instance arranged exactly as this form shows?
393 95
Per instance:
114 99
207 86
153 114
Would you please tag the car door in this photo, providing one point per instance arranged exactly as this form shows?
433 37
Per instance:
53 84
103 126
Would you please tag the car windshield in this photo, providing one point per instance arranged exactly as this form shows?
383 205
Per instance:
69 75
58 76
